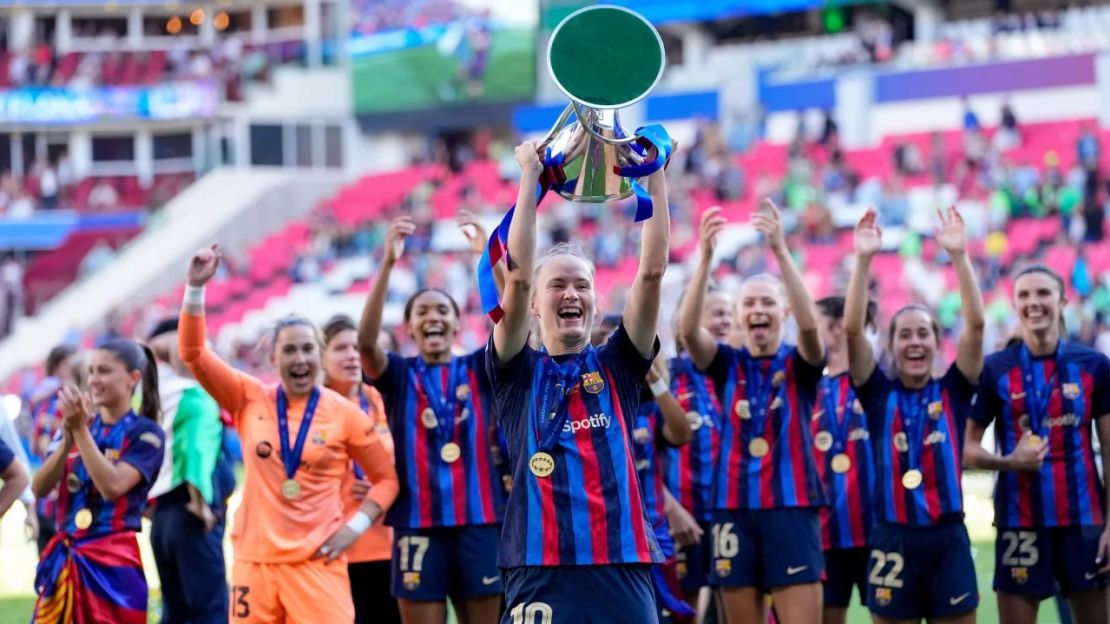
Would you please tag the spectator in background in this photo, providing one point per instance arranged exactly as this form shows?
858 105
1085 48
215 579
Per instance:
1087 147
103 196
22 206
971 120
1008 135
48 185
938 158
11 294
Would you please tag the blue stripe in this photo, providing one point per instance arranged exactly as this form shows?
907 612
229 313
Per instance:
727 423
788 497
1082 479
886 441
1006 493
1048 482
952 485
843 515
409 453
534 539
616 459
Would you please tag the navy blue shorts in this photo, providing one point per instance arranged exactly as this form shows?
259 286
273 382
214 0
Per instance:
441 562
766 548
1030 562
612 594
921 571
692 562
845 568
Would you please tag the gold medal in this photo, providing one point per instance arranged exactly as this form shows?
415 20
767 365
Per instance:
73 483
841 463
823 441
290 489
758 447
695 420
83 519
450 452
542 464
428 418
462 392
744 409
1034 441
912 479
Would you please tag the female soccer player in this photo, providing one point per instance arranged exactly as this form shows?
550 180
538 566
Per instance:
91 572
921 563
1044 394
689 469
576 526
61 367
14 476
291 522
445 521
368 559
766 532
846 464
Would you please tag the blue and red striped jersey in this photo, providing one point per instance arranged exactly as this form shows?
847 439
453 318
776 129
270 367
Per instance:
589 510
647 447
1073 389
689 469
786 476
134 440
840 428
917 429
46 421
435 492
7 456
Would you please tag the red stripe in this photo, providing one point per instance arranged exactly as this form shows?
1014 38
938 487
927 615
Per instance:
458 468
420 457
484 435
549 522
930 466
1024 479
1058 437
953 447
897 492
796 438
591 479
121 502
737 453
636 504
1095 502
854 493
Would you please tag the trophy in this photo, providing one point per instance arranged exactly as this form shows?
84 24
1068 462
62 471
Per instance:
603 58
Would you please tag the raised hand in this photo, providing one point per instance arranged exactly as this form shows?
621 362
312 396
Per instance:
768 221
868 238
528 157
74 407
472 229
203 265
399 230
950 233
711 225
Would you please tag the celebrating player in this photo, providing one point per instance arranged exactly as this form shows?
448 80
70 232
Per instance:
847 467
689 469
766 531
106 461
368 559
61 367
445 521
576 525
921 563
290 524
14 476
1044 394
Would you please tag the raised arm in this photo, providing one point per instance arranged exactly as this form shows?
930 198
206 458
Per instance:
477 236
641 310
511 334
225 384
700 344
951 235
374 358
867 240
768 221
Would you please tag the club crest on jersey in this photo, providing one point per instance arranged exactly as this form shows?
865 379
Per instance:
641 435
462 392
883 596
411 580
723 567
592 382
319 438
111 454
1071 390
1020 575
936 408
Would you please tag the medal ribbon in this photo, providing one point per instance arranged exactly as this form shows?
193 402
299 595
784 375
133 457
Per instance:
1041 391
832 392
558 382
443 402
292 457
760 388
912 406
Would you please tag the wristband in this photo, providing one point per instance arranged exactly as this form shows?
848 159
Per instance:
359 522
658 388
194 295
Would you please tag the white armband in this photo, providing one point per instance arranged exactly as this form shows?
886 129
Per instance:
658 388
194 295
359 522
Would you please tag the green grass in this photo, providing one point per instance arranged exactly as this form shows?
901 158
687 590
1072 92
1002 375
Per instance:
16 609
414 78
